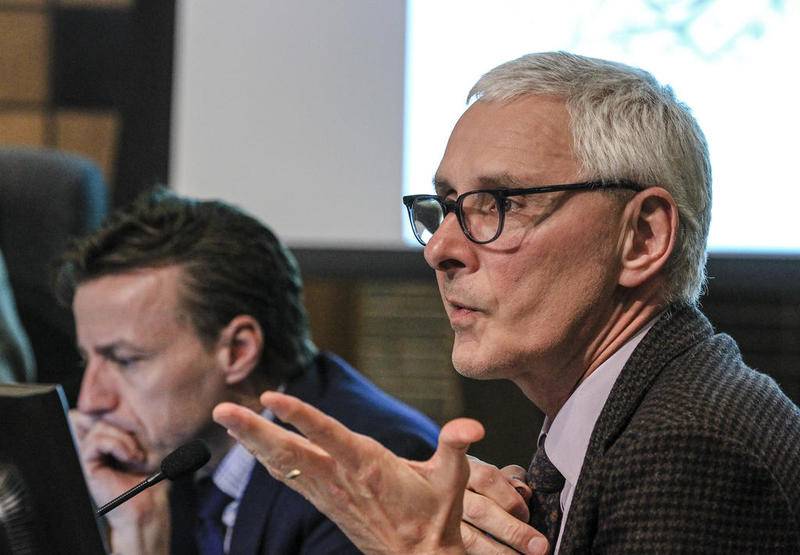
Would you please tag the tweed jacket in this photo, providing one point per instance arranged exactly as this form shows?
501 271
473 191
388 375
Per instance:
693 452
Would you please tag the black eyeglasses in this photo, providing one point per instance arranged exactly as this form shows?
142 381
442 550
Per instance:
481 213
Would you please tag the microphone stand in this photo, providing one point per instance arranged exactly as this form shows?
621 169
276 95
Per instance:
150 481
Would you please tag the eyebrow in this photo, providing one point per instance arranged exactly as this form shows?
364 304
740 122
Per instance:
504 181
112 348
105 351
440 186
498 181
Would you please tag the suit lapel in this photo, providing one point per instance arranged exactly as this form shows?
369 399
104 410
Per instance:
680 328
254 509
676 332
262 490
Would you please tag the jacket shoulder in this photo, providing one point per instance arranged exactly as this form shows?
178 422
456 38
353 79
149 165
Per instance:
709 460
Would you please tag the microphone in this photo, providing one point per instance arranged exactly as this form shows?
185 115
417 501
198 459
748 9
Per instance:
185 459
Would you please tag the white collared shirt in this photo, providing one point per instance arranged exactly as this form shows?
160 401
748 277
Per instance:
569 432
232 476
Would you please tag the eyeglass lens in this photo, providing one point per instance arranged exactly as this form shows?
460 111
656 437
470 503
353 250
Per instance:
481 215
479 211
428 214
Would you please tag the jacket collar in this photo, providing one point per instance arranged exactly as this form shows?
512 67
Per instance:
678 329
262 489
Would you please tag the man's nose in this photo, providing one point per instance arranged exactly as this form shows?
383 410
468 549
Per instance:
448 247
97 394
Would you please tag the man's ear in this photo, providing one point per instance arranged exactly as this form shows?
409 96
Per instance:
239 350
650 235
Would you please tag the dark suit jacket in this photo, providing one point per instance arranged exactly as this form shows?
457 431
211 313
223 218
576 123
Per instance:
272 518
693 452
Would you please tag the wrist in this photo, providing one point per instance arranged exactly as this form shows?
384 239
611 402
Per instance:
143 527
140 540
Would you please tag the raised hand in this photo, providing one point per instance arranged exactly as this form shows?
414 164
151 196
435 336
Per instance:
384 503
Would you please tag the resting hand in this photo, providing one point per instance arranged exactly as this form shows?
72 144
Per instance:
496 512
385 504
113 462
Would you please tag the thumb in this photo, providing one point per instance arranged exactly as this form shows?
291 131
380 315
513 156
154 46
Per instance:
450 462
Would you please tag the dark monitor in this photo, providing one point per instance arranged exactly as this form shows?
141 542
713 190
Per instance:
45 505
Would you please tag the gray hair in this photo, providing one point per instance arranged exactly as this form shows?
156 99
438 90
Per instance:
625 125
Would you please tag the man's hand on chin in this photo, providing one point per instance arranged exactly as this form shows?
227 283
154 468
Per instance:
113 462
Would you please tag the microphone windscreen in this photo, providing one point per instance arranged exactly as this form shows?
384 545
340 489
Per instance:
185 459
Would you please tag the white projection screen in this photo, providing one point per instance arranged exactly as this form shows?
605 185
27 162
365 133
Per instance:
317 115
293 109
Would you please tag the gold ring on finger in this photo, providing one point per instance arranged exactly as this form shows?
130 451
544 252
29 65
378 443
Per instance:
292 474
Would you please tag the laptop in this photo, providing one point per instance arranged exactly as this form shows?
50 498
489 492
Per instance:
45 506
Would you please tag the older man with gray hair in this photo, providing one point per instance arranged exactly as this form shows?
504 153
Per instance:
568 231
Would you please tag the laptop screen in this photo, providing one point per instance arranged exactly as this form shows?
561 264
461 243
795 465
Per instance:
45 506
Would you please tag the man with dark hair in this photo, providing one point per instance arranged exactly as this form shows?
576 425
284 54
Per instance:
181 304
567 231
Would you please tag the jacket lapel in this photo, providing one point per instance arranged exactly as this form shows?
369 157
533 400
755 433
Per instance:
254 509
677 331
680 328
262 489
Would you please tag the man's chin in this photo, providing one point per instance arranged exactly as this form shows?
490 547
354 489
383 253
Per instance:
471 361
471 367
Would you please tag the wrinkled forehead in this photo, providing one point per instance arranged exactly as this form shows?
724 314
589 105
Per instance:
528 138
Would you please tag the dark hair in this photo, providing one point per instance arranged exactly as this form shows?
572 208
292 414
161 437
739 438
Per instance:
233 265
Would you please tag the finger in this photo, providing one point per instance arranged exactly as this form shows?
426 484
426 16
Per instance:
506 529
493 485
499 528
514 471
346 447
517 477
80 422
477 542
103 440
449 463
278 449
489 515
97 447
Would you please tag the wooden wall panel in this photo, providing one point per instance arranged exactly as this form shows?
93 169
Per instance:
22 128
90 133
332 306
404 345
23 56
23 3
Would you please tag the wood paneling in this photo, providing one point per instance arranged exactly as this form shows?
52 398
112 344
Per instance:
90 133
22 128
23 56
23 3
404 345
332 308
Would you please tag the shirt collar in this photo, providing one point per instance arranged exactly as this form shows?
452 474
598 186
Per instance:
569 432
233 472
